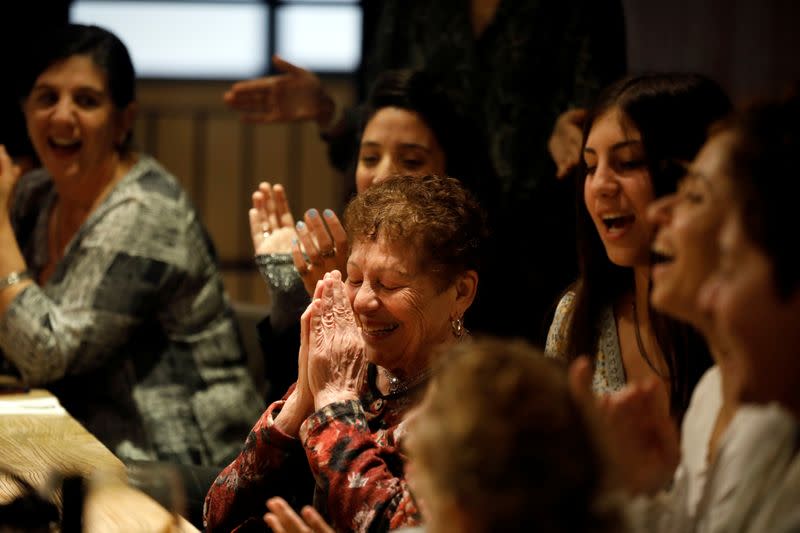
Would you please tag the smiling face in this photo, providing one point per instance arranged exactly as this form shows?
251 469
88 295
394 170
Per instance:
618 189
397 141
72 121
760 328
685 249
401 309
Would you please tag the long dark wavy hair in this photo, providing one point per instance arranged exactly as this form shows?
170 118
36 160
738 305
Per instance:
672 112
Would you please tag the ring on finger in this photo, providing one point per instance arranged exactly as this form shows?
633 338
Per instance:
328 253
304 270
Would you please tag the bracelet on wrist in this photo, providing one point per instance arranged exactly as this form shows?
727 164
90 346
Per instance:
14 278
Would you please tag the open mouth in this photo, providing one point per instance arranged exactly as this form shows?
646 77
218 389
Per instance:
64 146
617 223
377 332
659 256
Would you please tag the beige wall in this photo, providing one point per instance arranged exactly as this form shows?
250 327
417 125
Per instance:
220 160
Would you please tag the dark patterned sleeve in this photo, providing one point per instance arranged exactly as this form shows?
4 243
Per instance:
270 464
362 482
104 289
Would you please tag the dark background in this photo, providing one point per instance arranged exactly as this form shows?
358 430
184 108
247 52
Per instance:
749 46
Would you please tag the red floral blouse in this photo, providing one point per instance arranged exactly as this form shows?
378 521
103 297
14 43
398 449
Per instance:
353 454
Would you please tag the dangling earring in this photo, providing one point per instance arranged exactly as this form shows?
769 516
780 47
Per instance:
457 324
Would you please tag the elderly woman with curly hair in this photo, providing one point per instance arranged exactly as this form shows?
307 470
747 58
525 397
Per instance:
368 346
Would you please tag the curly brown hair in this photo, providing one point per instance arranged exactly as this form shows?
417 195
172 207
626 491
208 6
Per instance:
500 434
434 215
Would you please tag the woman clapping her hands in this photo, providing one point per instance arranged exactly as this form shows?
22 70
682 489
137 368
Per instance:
368 345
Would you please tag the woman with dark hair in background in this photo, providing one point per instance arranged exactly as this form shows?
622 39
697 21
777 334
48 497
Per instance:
408 127
639 128
109 289
510 66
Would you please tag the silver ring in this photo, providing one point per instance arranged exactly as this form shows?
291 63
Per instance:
328 253
265 234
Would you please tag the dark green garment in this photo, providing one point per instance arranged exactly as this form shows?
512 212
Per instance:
535 60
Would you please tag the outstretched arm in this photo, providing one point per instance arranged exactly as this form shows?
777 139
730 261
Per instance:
293 95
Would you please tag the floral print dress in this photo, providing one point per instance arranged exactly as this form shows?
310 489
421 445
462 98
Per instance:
609 372
350 448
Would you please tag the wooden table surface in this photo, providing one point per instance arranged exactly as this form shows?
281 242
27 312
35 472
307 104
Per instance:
36 446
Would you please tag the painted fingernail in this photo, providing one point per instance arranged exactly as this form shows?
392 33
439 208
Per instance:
301 225
312 213
328 213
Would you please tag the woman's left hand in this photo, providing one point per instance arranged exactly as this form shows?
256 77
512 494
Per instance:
336 361
565 141
323 243
638 436
282 519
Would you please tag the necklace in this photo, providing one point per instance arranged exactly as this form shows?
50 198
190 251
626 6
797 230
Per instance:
396 385
639 342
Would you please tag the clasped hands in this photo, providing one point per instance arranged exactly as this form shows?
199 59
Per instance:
331 361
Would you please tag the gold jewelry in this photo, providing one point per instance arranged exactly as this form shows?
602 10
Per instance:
457 325
397 386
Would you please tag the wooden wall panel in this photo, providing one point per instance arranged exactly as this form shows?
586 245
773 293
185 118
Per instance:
220 161
223 193
270 156
320 183
173 146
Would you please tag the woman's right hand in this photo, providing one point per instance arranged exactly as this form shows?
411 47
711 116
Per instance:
282 518
294 94
565 141
336 359
300 403
271 221
9 175
637 434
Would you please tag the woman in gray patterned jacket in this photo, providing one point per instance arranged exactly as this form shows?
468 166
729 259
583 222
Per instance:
110 294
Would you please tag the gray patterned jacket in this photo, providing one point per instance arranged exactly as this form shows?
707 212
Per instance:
133 331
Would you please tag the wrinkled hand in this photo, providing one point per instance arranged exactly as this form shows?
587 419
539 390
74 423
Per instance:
271 221
294 95
300 403
9 175
336 361
282 519
322 247
637 433
566 140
